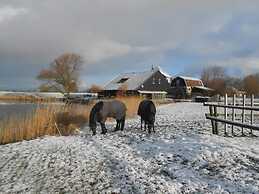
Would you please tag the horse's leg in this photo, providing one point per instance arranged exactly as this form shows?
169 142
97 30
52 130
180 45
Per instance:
117 125
141 122
149 127
94 131
104 130
154 127
122 123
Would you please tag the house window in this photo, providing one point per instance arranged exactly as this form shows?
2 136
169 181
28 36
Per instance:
154 81
159 81
122 80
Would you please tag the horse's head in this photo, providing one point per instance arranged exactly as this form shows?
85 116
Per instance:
93 116
93 121
93 127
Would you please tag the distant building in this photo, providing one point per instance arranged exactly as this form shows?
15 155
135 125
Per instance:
153 84
186 87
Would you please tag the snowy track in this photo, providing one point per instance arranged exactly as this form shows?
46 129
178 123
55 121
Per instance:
182 157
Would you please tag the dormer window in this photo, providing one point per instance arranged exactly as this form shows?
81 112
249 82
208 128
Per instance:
122 80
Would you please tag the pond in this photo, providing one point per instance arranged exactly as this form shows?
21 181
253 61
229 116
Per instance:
17 109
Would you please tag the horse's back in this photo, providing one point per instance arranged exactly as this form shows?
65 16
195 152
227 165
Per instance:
115 109
146 106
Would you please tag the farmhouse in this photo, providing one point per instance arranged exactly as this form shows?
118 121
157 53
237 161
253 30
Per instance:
186 87
152 84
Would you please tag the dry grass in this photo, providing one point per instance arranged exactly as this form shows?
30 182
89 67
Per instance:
49 120
30 126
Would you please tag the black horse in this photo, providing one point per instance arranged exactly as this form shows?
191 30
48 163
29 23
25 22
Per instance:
147 112
104 109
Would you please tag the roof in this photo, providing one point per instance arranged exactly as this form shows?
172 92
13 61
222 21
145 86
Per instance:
203 88
189 78
191 81
132 80
151 92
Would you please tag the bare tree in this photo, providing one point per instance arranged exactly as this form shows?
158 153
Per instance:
212 73
214 77
251 84
95 88
62 74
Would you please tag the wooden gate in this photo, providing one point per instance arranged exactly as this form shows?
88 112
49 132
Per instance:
231 119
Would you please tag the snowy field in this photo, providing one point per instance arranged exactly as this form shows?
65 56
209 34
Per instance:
182 157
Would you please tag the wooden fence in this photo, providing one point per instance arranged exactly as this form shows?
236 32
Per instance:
230 119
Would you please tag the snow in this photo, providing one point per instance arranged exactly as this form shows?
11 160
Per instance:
190 78
181 157
135 80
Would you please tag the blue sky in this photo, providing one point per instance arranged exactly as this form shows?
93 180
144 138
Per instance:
182 36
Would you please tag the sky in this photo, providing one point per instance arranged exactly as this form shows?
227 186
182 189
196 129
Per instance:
115 36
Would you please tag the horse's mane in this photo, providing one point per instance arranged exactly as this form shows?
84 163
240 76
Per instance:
96 108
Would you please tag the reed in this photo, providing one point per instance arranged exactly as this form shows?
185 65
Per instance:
50 120
131 103
26 98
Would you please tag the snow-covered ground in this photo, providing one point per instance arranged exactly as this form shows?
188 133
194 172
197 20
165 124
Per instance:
181 157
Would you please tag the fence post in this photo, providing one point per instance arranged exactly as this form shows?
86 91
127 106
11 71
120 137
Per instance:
243 112
233 113
252 112
226 112
212 122
216 122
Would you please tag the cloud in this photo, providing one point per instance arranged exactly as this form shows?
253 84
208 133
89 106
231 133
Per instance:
115 35
104 49
8 13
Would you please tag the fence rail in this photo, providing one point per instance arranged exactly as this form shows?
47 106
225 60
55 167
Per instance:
232 106
232 120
